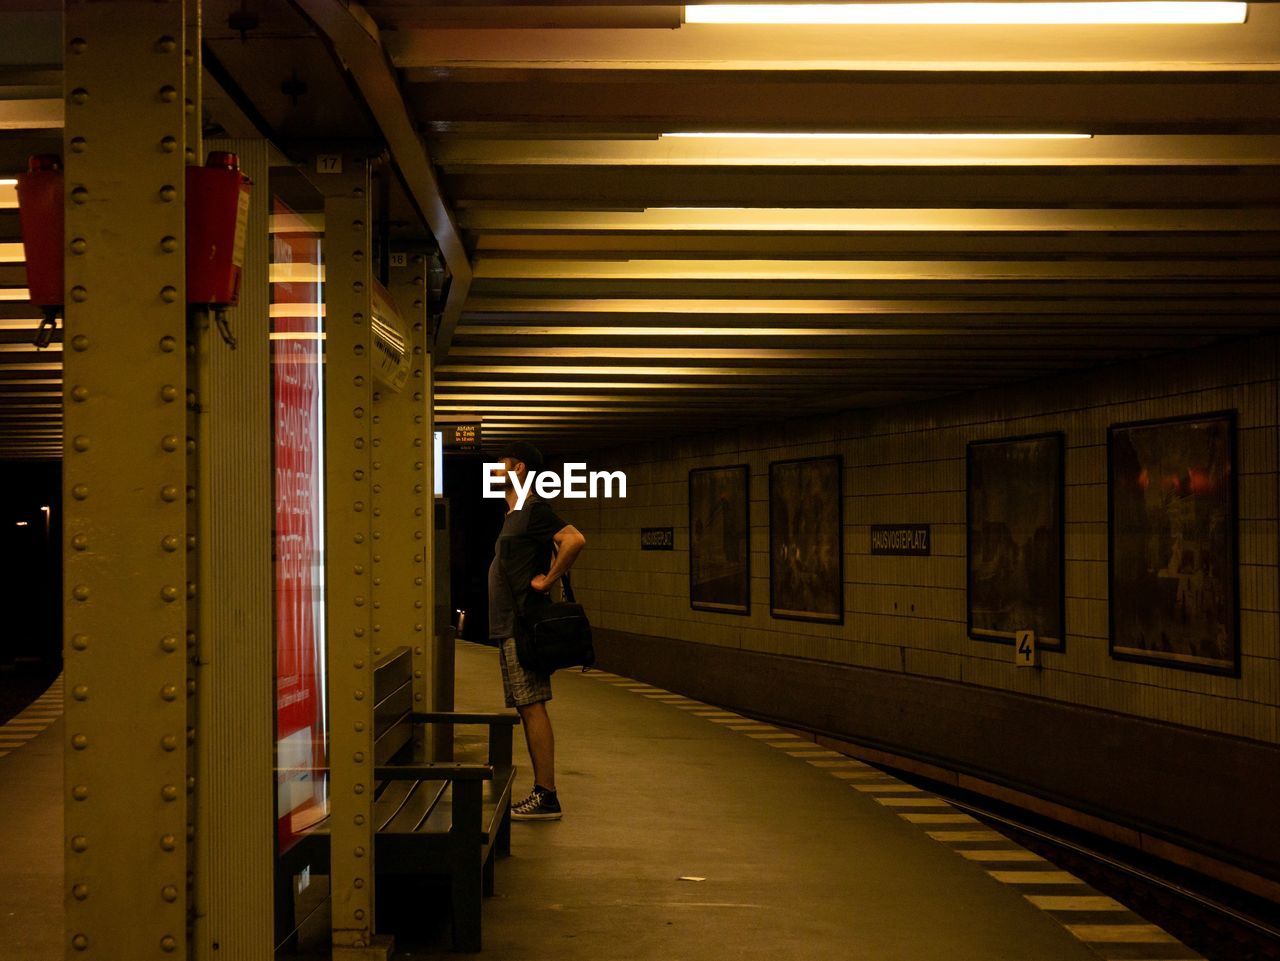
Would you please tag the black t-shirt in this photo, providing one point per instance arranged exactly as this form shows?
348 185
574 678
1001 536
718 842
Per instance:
523 550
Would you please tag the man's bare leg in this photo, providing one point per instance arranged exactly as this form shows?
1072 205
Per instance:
541 743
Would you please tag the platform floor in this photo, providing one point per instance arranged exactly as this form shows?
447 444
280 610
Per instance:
690 833
693 833
31 831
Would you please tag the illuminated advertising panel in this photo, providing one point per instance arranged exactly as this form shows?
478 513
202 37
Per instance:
297 354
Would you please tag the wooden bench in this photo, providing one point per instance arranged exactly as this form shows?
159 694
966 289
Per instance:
438 820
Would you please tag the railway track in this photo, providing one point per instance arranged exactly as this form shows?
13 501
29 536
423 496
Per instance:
1220 922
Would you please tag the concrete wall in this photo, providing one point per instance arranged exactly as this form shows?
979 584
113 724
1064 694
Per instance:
907 464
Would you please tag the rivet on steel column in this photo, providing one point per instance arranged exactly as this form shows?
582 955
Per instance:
124 147
348 473
401 494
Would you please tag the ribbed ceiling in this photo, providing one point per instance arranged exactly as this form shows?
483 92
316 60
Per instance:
631 280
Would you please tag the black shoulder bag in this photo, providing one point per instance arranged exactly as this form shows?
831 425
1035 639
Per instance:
554 635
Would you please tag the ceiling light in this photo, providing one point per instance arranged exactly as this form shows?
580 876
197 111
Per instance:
757 135
926 14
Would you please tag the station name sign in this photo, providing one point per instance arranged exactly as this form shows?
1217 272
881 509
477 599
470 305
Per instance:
657 539
901 539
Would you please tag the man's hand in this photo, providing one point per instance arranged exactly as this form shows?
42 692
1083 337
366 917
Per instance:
569 543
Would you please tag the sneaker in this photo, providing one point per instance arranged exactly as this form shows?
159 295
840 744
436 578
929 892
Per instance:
540 805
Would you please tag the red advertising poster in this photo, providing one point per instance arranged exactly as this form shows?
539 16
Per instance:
297 351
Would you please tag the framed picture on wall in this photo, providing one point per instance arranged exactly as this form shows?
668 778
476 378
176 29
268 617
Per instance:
1014 519
1174 585
806 540
720 539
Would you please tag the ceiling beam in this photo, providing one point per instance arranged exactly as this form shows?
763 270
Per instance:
737 376
636 188
1051 290
771 218
686 355
650 102
922 245
22 115
873 270
411 14
1149 150
357 45
770 309
1246 47
1040 335
1059 291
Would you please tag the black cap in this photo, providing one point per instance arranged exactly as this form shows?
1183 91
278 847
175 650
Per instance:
524 452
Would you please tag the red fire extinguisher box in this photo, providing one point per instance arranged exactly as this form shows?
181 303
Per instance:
217 223
40 217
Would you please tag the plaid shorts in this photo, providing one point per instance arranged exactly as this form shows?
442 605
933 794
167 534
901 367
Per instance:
520 686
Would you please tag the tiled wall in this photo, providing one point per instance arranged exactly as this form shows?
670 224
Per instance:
907 465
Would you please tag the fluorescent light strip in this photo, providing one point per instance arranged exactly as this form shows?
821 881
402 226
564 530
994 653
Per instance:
936 14
296 273
760 135
305 310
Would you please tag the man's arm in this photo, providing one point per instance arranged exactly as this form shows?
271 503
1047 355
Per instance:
569 544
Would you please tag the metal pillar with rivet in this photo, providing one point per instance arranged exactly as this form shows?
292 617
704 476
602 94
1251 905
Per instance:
125 480
402 491
350 546
235 810
198 463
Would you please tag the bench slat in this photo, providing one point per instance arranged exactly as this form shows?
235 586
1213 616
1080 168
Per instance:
453 717
441 819
434 771
390 798
424 797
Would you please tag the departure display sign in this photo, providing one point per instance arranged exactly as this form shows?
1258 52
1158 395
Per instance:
461 436
910 540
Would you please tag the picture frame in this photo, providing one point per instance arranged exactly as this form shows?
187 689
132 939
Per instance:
1015 539
1173 543
720 539
806 540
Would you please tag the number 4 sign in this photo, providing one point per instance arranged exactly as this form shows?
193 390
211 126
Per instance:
1024 649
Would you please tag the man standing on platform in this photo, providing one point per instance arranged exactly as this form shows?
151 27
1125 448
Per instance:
534 549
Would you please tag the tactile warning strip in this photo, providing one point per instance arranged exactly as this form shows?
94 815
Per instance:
37 716
1110 929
